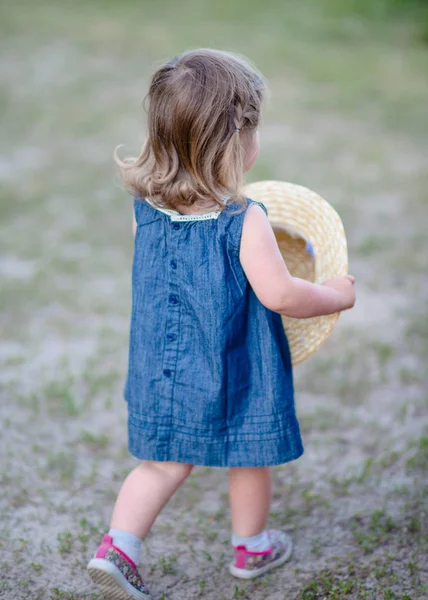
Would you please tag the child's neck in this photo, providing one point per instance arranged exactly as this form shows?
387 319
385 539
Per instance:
198 208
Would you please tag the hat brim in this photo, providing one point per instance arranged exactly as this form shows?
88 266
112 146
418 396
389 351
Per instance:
298 215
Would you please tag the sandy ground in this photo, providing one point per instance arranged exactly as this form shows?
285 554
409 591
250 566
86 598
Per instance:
356 503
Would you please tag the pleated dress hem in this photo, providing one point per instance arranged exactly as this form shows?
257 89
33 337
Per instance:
219 452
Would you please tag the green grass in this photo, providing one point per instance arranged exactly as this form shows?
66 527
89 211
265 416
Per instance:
347 117
62 463
419 453
65 540
98 442
354 580
369 535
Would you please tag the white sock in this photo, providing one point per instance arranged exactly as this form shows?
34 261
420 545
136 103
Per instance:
256 543
127 542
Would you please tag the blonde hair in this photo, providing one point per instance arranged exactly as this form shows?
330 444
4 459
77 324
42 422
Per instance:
203 105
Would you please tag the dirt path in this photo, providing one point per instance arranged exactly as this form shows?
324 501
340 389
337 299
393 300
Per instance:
356 503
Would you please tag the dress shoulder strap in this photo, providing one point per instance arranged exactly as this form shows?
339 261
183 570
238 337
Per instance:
144 213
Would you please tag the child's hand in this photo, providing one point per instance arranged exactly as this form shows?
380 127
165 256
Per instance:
345 287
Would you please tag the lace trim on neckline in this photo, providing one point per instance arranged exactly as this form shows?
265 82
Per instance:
176 216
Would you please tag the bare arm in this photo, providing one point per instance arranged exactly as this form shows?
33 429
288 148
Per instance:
134 224
272 283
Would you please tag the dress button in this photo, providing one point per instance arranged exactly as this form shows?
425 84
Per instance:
167 373
173 299
176 226
173 264
171 337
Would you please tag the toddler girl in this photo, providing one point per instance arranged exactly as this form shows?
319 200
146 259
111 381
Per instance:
210 378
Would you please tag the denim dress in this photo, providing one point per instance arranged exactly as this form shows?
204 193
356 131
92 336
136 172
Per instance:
210 378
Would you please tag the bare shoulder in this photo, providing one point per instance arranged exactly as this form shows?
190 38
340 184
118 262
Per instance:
261 259
255 217
256 229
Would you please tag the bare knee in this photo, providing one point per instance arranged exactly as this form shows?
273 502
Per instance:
177 471
249 471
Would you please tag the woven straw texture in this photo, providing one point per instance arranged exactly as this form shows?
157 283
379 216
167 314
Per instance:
298 216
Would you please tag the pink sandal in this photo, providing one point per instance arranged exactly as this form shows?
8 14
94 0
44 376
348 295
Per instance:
116 574
248 564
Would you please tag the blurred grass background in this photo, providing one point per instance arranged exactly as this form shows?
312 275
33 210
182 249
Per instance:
74 72
347 117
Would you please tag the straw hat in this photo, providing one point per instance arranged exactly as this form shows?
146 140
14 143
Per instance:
311 239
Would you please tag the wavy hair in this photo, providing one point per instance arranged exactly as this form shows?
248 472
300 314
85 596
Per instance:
203 106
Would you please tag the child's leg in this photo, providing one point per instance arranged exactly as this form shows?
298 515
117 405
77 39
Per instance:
250 493
257 550
144 493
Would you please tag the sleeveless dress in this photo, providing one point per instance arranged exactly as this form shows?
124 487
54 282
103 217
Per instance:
209 378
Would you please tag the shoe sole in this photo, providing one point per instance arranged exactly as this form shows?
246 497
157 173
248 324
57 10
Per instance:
247 574
111 582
